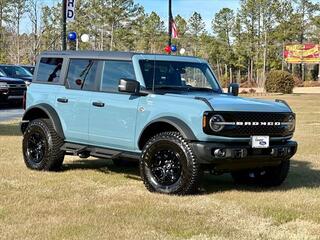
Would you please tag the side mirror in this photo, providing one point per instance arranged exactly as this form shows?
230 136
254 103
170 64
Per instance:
129 86
233 89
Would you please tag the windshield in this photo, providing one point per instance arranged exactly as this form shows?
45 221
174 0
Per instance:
178 76
2 74
15 71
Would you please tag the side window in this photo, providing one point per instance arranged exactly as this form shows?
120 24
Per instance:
49 70
82 74
113 71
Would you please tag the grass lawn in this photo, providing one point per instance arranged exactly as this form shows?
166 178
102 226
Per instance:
92 199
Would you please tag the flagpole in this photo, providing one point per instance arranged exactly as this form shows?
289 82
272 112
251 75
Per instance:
64 25
169 25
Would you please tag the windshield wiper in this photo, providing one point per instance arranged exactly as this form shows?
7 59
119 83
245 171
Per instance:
171 88
202 89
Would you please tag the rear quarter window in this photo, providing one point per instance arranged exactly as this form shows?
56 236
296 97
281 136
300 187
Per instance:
49 70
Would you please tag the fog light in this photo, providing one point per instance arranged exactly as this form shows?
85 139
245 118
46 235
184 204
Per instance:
219 153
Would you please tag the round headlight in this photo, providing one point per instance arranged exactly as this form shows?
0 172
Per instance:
291 123
216 123
4 85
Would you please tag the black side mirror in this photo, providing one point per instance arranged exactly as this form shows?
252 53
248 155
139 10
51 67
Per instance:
129 86
233 89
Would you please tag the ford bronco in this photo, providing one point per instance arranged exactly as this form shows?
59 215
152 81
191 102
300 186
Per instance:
168 112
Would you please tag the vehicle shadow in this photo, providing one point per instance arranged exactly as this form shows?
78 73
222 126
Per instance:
301 175
130 170
10 129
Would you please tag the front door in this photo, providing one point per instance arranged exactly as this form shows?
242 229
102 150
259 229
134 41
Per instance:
113 114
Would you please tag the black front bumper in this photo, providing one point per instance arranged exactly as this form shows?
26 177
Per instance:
235 156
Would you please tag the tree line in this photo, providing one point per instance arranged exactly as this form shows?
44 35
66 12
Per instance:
243 46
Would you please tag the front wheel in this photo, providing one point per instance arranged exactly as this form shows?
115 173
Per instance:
41 146
168 165
268 177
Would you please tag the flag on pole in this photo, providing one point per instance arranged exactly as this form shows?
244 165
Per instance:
174 30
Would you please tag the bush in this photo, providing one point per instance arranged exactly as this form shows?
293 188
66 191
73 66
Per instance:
279 81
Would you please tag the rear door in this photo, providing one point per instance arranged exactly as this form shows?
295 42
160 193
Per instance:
113 114
73 101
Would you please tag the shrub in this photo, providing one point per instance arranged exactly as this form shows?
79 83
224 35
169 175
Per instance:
279 81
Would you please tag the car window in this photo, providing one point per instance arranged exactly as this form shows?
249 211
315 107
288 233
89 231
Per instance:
113 71
49 70
2 74
82 74
16 71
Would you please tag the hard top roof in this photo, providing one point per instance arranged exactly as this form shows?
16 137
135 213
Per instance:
102 54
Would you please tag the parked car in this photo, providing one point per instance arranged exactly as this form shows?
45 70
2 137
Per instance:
17 72
11 89
29 68
167 112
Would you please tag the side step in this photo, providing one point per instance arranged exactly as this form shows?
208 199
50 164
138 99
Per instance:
76 149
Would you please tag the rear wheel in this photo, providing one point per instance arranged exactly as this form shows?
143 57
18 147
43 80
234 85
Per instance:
168 165
41 146
269 176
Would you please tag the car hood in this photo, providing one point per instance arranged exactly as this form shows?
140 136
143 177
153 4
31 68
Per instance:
29 79
225 102
11 80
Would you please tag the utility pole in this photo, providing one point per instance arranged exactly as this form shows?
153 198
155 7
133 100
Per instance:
64 25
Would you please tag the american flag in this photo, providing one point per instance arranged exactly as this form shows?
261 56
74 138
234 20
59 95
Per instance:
174 30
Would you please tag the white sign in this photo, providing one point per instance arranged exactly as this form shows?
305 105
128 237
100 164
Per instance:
260 141
70 10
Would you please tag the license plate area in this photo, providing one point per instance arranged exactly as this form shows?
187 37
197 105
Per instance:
260 141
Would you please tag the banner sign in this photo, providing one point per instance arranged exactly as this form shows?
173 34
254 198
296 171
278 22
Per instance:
70 10
302 53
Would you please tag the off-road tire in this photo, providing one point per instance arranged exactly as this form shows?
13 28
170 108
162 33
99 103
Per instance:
189 178
267 177
52 155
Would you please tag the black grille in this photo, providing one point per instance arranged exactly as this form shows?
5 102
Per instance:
247 131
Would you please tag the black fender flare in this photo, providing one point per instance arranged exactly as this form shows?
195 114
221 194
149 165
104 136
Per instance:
180 125
50 112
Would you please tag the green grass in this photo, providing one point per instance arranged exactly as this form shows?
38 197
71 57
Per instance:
92 199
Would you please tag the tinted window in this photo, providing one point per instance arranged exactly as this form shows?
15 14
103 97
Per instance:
49 70
82 74
113 71
16 72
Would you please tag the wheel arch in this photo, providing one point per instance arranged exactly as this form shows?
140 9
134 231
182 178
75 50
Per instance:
42 111
164 124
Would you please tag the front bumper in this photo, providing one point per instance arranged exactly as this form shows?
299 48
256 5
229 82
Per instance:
236 156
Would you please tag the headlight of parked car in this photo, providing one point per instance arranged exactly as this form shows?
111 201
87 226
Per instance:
291 123
216 123
4 86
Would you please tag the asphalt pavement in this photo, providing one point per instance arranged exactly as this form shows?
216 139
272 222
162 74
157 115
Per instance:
7 113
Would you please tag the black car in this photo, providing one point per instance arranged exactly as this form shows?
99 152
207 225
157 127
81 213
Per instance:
16 72
11 89
29 68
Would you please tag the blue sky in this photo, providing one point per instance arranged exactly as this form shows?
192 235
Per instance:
207 9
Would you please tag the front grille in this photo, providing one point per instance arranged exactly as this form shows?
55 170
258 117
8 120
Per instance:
17 91
247 131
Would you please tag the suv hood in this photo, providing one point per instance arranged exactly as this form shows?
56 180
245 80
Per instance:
225 102
11 80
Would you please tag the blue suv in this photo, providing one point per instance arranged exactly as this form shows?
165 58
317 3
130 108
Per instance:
167 112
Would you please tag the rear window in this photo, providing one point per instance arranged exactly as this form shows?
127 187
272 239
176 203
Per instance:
82 74
49 70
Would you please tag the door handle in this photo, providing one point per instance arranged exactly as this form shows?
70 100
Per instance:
98 104
62 100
